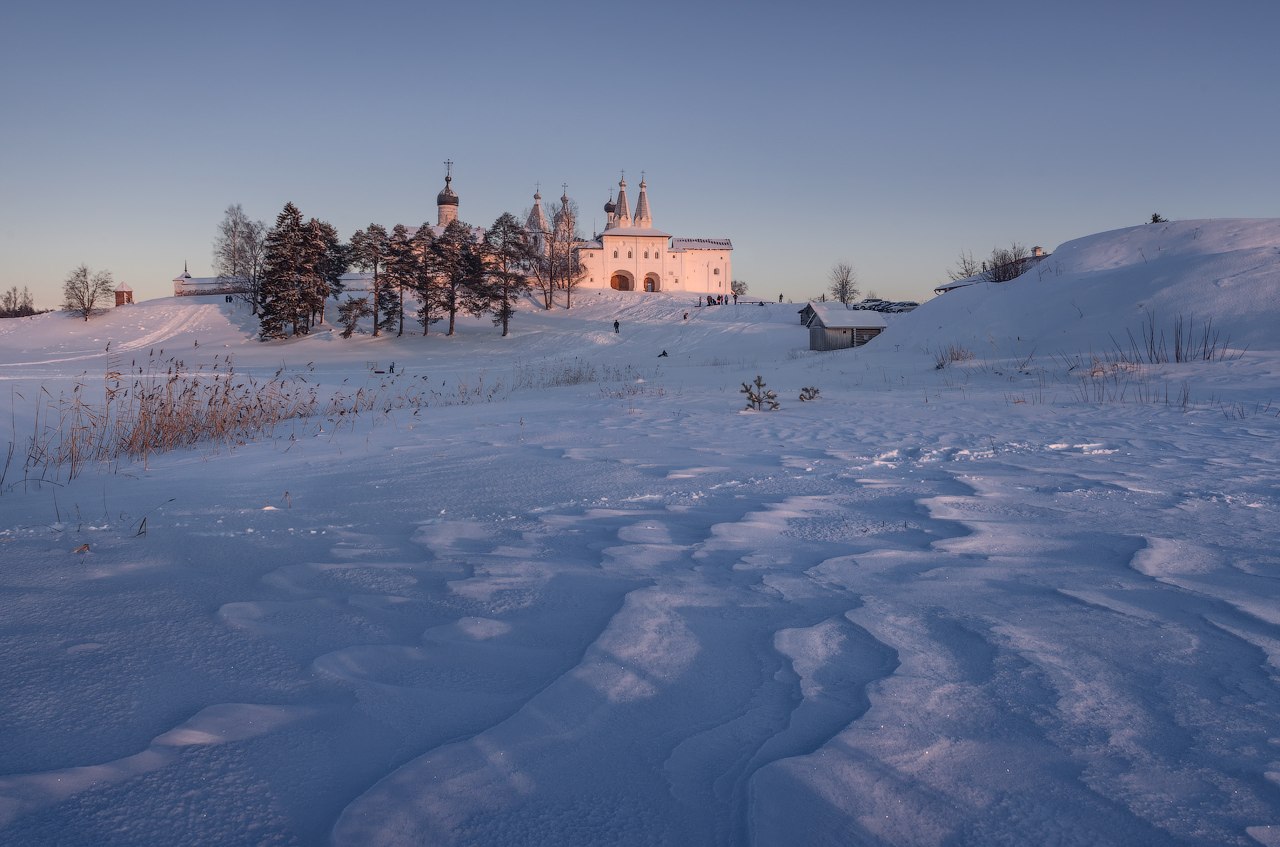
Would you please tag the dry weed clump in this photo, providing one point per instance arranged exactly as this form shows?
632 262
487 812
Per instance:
945 355
161 405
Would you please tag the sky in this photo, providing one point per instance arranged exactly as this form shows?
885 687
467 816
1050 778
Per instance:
888 136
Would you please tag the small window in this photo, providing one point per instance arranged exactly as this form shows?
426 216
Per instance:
716 272
628 254
615 254
646 254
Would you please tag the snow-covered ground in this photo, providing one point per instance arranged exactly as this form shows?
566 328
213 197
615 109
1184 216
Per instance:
556 590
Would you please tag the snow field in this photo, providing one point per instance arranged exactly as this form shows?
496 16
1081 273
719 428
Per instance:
624 611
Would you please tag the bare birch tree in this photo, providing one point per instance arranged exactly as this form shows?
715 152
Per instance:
85 292
564 269
966 266
238 249
844 283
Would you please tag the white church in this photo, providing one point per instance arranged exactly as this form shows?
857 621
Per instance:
630 255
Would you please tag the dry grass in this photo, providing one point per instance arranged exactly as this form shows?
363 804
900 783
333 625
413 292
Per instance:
160 405
943 356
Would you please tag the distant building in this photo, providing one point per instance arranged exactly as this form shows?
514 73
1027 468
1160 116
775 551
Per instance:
124 294
833 327
186 285
631 255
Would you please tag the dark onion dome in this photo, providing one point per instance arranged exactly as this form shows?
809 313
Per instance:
611 206
447 197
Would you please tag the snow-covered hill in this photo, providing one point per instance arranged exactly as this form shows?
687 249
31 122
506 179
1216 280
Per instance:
1101 287
559 589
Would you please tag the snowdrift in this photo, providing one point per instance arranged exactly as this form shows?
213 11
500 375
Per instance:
1093 291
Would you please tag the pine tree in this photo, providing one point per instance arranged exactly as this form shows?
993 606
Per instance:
401 274
284 265
326 262
350 312
425 281
369 252
507 252
457 265
759 397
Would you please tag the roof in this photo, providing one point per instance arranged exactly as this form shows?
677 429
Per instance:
623 210
191 281
537 218
958 283
447 197
124 286
636 232
642 204
836 316
701 244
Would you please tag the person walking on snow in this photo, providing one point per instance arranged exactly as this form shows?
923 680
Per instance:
615 326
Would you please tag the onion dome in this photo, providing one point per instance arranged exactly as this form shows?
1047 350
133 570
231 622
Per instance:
447 197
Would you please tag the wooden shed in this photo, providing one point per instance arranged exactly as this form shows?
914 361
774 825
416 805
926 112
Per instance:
833 327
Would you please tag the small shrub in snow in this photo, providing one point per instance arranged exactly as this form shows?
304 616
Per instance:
1190 343
944 356
759 397
809 392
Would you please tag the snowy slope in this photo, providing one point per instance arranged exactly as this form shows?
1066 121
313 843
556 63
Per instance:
1101 287
573 594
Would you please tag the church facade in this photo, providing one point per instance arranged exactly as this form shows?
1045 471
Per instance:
632 255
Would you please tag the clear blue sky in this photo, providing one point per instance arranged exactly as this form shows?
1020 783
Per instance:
888 135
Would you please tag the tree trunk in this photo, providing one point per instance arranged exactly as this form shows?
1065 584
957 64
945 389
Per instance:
376 317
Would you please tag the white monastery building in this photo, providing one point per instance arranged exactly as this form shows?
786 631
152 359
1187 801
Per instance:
631 255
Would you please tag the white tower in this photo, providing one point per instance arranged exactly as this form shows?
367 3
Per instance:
447 200
622 215
536 225
642 207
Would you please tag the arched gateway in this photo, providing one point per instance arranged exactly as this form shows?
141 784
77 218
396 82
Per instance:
622 281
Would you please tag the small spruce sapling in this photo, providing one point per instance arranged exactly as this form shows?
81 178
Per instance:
809 392
759 397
